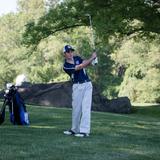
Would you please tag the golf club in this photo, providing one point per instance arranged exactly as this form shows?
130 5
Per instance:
95 61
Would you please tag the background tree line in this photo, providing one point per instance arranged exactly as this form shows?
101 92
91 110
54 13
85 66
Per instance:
127 42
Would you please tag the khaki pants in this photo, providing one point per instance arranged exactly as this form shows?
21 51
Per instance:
81 107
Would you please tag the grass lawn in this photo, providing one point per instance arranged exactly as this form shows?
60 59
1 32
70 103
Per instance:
133 136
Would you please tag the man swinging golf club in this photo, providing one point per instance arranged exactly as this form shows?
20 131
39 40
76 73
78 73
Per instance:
75 66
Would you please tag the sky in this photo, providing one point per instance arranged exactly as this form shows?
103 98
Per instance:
7 6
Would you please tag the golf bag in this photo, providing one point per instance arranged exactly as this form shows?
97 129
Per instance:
17 109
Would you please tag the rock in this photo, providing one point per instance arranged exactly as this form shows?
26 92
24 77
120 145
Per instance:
119 105
54 94
60 95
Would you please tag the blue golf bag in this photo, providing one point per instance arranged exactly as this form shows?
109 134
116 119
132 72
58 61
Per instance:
17 108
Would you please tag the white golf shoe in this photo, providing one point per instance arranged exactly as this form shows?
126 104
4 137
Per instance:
81 135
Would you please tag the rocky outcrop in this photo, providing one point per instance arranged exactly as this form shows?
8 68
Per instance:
60 95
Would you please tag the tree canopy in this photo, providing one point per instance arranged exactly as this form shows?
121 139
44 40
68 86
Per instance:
110 17
126 35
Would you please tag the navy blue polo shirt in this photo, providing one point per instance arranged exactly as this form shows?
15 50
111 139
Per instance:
79 76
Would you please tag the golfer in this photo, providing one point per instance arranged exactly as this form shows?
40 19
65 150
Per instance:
75 66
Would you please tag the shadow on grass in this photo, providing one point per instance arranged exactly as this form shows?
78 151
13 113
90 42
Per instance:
148 110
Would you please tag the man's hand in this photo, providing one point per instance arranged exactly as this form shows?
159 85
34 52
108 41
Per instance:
86 62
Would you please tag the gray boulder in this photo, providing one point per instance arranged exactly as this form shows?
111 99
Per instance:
60 95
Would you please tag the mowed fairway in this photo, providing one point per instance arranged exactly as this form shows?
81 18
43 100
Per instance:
133 136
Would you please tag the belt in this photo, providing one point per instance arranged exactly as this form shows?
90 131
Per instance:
80 82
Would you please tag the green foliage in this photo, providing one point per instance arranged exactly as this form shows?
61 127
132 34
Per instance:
109 18
141 79
13 56
126 36
57 19
10 52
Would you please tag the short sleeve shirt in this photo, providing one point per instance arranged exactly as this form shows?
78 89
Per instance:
76 76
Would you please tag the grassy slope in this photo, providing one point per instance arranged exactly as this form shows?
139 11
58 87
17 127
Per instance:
114 136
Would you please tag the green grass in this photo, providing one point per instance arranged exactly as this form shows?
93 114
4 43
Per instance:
134 136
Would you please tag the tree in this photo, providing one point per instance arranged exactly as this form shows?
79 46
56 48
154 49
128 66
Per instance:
141 79
117 26
13 58
111 20
110 17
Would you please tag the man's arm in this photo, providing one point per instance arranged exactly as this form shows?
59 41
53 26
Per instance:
86 62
